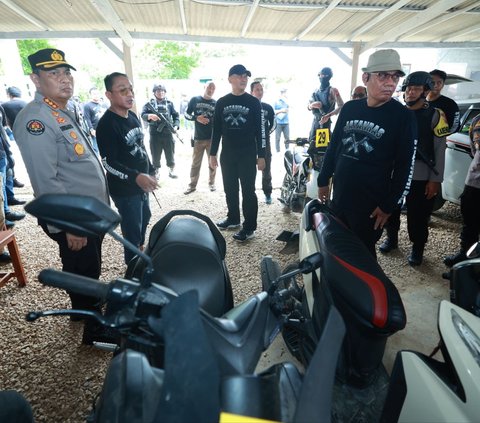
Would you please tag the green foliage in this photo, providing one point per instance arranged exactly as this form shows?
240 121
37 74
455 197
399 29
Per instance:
28 47
168 60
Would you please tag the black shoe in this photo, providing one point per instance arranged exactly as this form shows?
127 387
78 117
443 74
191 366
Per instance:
243 235
13 216
17 183
5 258
228 224
388 245
416 256
15 202
9 224
454 259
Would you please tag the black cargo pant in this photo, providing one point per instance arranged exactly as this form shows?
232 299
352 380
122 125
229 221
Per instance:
162 142
419 210
85 262
240 168
267 172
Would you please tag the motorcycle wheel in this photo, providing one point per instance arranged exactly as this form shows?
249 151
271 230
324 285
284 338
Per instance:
286 191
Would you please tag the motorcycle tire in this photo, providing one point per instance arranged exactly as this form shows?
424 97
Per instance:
286 191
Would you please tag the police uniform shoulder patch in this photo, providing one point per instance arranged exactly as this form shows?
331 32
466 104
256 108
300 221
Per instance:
35 127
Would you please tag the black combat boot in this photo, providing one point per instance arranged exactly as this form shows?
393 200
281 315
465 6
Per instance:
455 258
416 256
390 243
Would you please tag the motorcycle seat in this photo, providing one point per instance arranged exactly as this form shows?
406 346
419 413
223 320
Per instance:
186 256
357 282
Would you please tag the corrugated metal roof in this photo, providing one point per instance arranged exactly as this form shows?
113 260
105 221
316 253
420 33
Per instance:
335 23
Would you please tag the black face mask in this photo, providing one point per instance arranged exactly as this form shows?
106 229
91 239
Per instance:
324 81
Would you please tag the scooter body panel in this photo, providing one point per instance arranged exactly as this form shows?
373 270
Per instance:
424 389
428 398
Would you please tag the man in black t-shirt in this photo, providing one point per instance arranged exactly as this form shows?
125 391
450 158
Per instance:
130 173
371 153
256 89
201 109
92 112
238 123
446 104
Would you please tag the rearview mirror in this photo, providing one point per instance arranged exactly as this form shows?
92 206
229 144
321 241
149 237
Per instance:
79 215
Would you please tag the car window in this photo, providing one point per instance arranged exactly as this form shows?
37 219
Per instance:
468 120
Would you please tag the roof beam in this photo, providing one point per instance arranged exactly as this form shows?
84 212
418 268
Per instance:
28 35
25 15
414 22
248 19
380 17
181 6
315 22
439 20
113 48
463 31
108 13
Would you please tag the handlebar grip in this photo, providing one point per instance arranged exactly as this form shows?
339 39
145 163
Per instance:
74 283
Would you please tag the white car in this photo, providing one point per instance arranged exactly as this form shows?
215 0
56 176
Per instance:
457 160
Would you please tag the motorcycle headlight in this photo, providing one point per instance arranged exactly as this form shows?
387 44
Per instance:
467 335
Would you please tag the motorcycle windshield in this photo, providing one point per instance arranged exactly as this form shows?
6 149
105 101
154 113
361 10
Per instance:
192 379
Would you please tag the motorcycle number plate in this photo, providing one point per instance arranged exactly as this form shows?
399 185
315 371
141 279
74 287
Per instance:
322 137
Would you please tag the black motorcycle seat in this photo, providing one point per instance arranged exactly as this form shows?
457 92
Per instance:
186 257
357 282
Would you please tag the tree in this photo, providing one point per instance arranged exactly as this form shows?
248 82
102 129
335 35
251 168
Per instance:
168 60
28 47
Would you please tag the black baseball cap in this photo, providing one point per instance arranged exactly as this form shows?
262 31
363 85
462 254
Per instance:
239 70
48 59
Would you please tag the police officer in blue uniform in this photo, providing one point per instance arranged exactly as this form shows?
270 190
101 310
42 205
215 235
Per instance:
60 158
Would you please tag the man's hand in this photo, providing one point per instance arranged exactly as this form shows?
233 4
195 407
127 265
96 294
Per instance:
76 243
152 117
146 182
93 133
323 194
261 163
380 218
203 120
324 118
213 162
432 189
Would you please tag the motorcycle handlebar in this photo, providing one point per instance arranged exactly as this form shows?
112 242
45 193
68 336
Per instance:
298 141
74 283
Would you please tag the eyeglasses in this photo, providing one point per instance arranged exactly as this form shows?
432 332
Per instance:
124 91
383 76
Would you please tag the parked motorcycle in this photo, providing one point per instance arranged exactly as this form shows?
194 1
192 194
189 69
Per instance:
350 279
298 185
207 371
420 388
426 389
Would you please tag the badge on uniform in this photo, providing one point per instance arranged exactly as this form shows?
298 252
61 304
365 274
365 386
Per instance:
74 135
79 149
60 119
35 127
